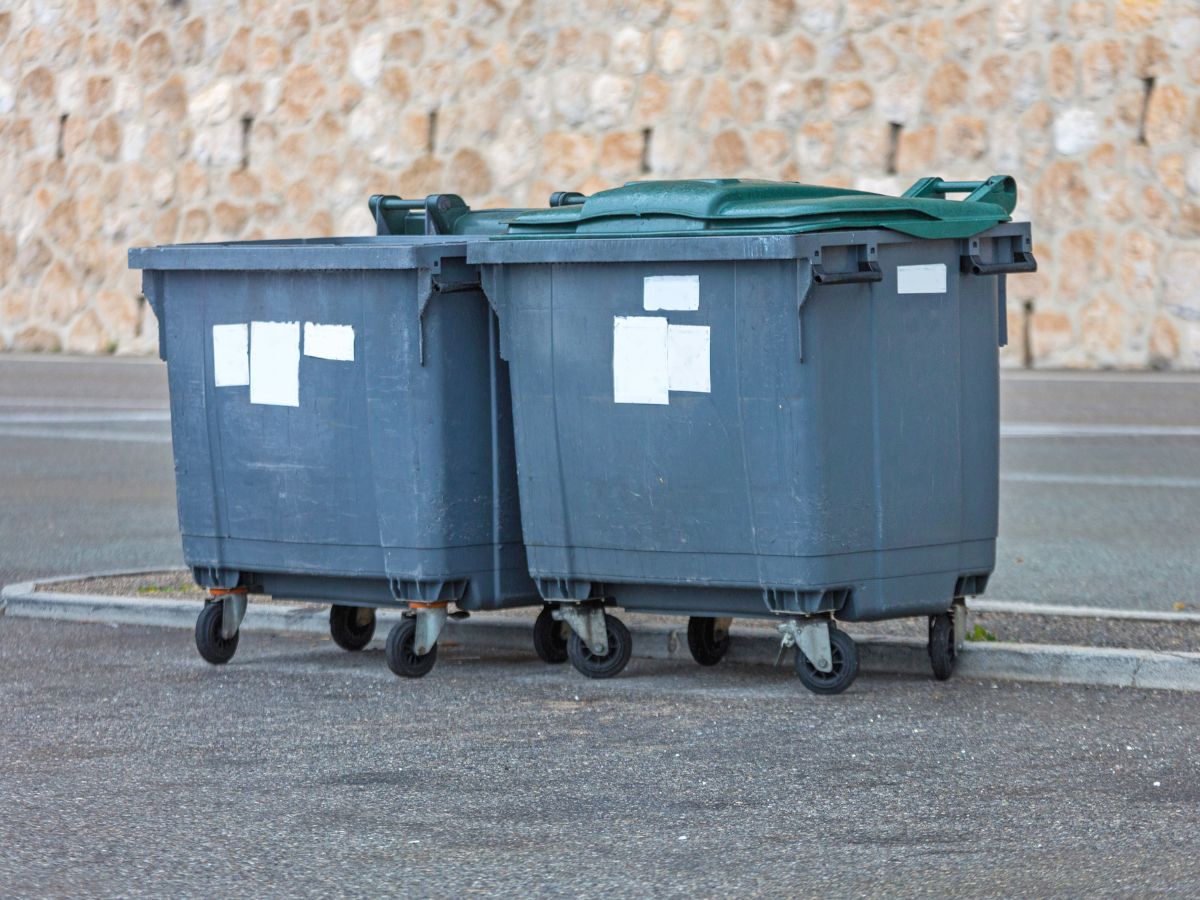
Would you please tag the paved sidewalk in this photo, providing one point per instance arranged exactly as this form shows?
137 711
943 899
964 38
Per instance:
299 764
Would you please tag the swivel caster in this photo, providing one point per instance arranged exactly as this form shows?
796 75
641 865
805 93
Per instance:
402 657
843 666
217 644
708 639
550 637
826 659
351 627
592 658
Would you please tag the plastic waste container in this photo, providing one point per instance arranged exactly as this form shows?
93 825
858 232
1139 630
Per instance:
746 398
341 427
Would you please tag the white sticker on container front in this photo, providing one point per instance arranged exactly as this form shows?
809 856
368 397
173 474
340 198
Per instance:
687 358
275 363
921 279
671 292
231 355
329 341
640 360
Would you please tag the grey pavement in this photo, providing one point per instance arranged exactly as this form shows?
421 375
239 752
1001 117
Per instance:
131 768
1100 491
86 478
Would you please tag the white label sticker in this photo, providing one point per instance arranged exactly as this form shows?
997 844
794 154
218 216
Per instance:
921 279
671 292
640 360
275 363
231 356
329 341
688 358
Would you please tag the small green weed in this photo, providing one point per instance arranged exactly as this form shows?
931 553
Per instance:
979 633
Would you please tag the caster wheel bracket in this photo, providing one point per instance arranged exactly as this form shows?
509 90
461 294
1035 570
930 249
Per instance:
959 612
811 639
587 621
233 610
430 622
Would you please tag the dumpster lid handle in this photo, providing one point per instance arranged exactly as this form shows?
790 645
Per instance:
999 189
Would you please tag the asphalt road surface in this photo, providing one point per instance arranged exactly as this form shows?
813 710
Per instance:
86 477
1100 490
131 768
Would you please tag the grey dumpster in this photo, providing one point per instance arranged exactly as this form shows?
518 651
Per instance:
341 430
737 398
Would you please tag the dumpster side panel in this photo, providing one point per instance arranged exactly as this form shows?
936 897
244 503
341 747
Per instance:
316 453
605 476
980 433
403 432
917 412
548 541
182 316
807 431
870 464
268 485
673 474
296 474
441 440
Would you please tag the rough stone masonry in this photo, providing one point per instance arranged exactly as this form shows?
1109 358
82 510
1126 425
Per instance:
130 122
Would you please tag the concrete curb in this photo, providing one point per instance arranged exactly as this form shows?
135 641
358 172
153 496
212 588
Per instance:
1016 607
987 661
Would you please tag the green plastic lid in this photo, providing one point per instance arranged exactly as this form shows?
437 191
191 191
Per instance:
741 206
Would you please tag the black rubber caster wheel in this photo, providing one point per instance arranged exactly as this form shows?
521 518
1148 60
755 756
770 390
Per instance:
620 648
708 645
214 648
943 652
838 678
401 657
351 627
550 637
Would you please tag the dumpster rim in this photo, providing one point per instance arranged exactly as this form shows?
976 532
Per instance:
698 248
394 252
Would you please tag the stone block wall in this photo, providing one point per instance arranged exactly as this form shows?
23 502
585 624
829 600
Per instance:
130 122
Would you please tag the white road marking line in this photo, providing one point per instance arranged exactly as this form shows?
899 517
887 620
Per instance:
69 403
1156 481
100 418
981 604
1133 377
1058 429
80 435
80 360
